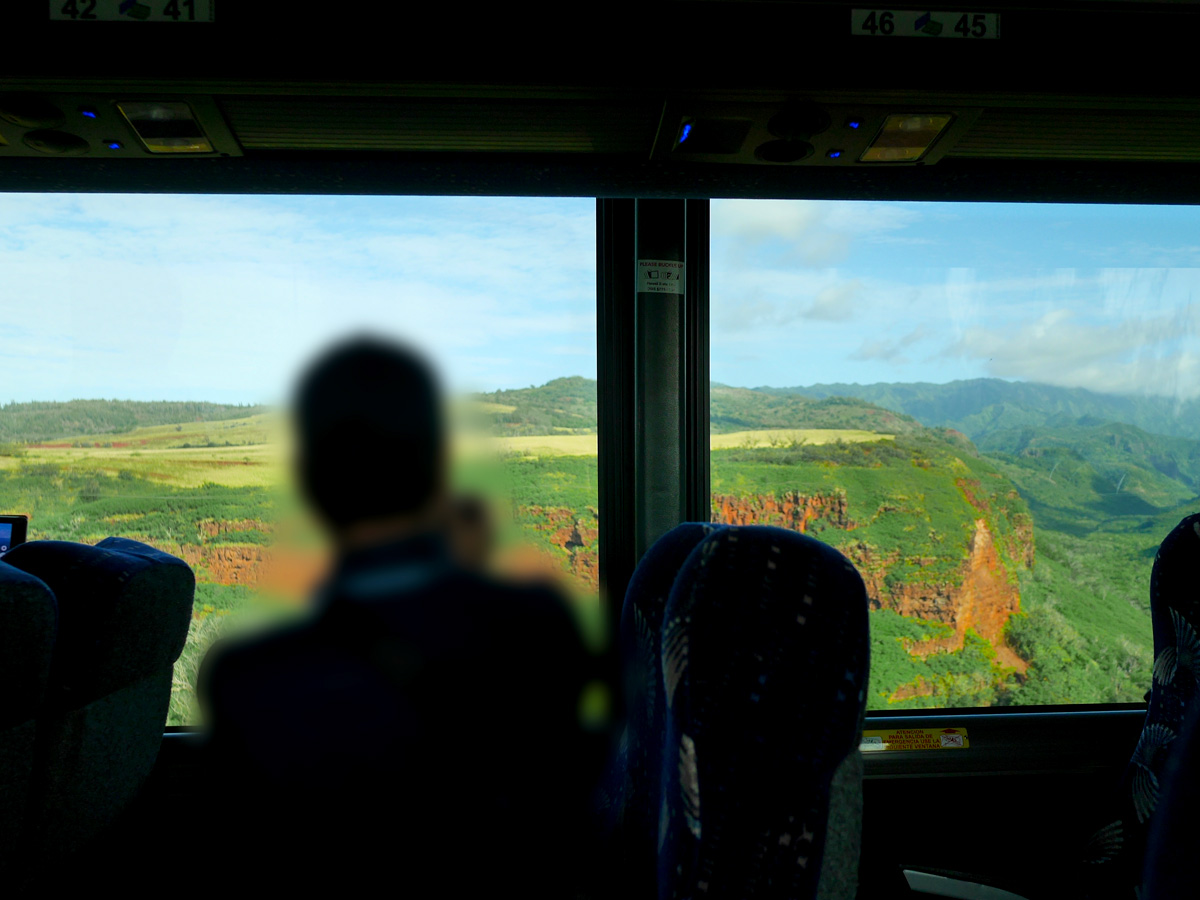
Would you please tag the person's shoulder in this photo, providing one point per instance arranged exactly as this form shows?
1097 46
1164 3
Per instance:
516 600
233 664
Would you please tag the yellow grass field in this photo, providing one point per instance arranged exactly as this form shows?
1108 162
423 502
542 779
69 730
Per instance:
782 437
258 449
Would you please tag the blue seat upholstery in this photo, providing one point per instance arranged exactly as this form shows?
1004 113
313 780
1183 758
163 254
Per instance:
28 622
1170 858
765 654
124 610
1170 870
633 798
1113 860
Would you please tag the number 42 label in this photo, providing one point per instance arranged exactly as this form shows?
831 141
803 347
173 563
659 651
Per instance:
916 23
132 10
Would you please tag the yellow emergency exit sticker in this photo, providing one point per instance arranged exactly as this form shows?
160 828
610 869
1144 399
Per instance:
915 739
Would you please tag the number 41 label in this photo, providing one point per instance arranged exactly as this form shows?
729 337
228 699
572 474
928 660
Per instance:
132 10
915 23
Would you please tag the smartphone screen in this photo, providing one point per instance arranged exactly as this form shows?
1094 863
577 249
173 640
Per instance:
12 532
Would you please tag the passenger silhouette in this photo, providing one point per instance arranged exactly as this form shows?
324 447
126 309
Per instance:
420 730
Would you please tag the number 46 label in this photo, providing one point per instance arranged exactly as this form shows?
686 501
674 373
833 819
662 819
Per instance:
132 10
916 23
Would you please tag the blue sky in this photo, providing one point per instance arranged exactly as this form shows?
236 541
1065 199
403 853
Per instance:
1100 297
222 298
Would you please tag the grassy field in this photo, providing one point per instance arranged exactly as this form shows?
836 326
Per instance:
786 437
585 444
214 492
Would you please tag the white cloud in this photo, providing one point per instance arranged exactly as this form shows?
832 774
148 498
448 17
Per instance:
834 303
1155 354
223 297
811 232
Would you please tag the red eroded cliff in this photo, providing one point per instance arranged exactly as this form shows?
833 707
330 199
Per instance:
791 510
574 534
982 594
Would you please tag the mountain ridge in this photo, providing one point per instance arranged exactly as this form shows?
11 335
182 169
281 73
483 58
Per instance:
980 406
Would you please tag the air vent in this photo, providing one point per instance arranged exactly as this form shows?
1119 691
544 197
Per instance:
1082 134
442 125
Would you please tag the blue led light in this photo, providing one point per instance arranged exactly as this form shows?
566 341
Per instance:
834 154
853 124
114 145
687 129
88 113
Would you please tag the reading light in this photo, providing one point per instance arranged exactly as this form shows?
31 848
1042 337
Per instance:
905 138
166 127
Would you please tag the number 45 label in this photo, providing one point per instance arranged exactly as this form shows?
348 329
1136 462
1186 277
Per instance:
132 10
915 23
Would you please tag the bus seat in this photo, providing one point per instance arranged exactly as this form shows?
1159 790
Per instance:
28 621
124 611
1116 852
635 782
765 662
1170 866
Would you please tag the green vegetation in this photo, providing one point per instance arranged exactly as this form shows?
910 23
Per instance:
561 406
982 405
739 409
1053 500
568 406
972 676
32 422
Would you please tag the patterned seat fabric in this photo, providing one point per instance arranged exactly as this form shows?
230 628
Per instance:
1114 856
765 659
631 798
1170 867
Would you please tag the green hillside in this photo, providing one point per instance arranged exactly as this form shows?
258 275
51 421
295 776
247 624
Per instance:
561 406
984 405
568 405
740 409
33 422
911 507
1090 474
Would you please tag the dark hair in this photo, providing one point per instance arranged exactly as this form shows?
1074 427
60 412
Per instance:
369 422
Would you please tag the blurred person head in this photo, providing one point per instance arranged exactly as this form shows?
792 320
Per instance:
371 454
472 534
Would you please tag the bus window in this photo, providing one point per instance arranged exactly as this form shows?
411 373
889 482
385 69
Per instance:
151 343
993 410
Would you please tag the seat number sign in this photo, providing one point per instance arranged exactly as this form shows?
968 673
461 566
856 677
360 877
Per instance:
920 23
132 10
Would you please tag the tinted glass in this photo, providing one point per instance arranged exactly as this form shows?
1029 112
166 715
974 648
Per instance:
150 344
992 410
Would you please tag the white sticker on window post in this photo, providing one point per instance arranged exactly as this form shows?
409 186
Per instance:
660 276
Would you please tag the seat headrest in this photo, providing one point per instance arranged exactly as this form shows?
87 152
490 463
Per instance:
766 655
646 596
124 610
28 621
754 598
1177 566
